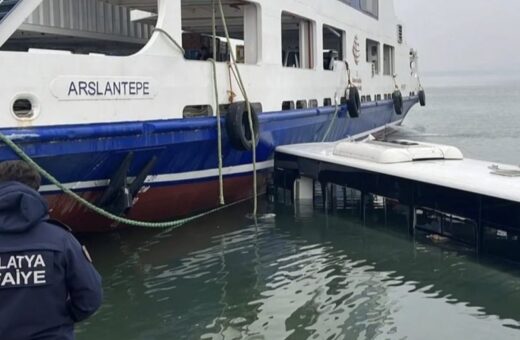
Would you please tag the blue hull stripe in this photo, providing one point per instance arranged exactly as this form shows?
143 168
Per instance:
88 153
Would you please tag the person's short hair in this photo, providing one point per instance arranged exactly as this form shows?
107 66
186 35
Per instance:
20 171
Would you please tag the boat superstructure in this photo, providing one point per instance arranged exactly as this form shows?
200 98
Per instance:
92 89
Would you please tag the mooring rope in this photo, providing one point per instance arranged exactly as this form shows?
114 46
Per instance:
231 94
217 108
100 211
168 35
248 104
336 111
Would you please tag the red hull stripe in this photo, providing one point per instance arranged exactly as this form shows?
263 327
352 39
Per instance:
154 203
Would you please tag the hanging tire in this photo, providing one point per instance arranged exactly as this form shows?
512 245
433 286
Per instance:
397 98
238 128
354 102
422 98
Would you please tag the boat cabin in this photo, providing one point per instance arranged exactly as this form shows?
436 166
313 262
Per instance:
293 52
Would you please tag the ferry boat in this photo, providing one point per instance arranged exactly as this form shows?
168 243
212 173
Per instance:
117 99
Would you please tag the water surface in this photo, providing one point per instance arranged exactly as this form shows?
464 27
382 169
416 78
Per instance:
304 274
301 275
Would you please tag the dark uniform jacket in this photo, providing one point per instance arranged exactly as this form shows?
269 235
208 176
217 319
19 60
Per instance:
46 281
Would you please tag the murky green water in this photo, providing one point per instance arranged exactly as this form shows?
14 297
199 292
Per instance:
300 275
304 274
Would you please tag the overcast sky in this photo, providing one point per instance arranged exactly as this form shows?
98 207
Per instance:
458 35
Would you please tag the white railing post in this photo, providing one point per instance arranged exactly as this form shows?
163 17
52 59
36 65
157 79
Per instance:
169 22
15 19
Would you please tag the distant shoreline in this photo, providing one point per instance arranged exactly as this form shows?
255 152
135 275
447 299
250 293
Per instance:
451 73
470 78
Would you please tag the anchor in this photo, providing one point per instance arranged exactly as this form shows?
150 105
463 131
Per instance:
118 198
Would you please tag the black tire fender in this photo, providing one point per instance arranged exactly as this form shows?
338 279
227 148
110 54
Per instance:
397 98
422 97
237 125
354 102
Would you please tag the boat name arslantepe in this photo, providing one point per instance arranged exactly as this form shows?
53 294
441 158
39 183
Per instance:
109 88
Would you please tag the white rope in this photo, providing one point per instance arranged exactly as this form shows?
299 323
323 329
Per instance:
217 108
248 104
336 111
168 35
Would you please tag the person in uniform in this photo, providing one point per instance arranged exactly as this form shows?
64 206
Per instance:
47 280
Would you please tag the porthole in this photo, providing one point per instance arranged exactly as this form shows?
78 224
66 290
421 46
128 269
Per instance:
288 105
25 107
301 104
196 111
22 108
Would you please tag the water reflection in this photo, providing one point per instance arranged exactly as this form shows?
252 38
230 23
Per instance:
303 275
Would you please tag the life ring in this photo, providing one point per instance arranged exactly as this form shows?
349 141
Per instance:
422 97
238 128
354 102
397 98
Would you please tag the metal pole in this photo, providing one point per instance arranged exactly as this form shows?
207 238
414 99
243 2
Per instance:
411 213
313 193
363 206
411 220
333 196
325 195
479 232
344 197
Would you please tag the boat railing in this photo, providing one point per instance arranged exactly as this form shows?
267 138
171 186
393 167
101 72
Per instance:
77 26
6 6
12 15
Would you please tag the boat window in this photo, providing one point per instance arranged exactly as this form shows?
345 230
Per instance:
301 104
388 60
399 34
373 55
313 103
88 26
288 105
370 6
297 42
333 46
197 28
23 109
194 111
